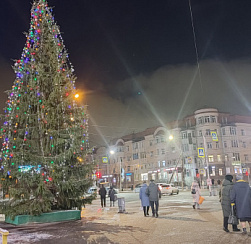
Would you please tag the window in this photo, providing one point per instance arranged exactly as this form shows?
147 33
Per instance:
244 144
234 143
184 135
245 157
232 131
210 158
217 145
209 145
200 133
193 134
220 172
207 119
162 139
223 130
164 163
226 157
225 144
151 154
158 163
199 120
207 132
157 139
128 168
219 158
213 119
242 132
135 145
135 156
212 170
151 143
236 156
163 151
143 155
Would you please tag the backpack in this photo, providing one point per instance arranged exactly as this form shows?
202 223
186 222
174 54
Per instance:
193 191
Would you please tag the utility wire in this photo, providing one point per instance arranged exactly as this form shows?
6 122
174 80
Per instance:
195 46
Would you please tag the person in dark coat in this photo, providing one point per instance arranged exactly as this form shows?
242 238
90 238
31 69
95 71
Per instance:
153 192
144 199
241 196
102 193
224 195
111 194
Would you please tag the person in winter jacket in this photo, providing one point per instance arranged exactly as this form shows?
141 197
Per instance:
144 199
224 195
240 195
153 192
111 194
102 193
195 190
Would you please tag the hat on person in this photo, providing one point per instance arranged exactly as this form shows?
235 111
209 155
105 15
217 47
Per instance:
229 177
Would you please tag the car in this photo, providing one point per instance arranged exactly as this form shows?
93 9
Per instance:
108 188
167 188
137 188
92 191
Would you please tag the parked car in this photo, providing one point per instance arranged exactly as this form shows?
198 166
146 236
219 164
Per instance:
108 188
167 188
137 188
92 191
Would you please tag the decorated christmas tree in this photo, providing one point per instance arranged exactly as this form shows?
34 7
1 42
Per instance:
44 132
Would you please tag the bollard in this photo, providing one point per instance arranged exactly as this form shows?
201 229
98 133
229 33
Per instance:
5 234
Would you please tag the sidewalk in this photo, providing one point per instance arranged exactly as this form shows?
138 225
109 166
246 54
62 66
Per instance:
178 223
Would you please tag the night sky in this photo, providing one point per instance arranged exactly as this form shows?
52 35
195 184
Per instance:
136 59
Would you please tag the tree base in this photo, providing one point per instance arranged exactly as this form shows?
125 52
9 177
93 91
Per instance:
56 216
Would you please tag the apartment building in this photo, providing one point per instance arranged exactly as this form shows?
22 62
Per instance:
170 153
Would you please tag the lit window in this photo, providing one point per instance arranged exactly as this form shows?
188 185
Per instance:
220 172
218 158
210 158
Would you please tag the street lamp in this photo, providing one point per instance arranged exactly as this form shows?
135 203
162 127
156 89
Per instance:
171 137
111 152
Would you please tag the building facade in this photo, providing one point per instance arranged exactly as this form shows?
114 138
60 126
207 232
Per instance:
207 144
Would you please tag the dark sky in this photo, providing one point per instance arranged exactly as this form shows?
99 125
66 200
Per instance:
136 59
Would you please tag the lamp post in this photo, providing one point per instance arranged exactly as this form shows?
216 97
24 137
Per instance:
110 153
208 175
171 137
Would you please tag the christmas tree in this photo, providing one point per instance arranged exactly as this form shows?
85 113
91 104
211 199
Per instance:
44 132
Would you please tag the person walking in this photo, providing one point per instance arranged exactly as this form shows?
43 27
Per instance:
153 192
144 199
240 196
111 194
102 193
225 200
195 190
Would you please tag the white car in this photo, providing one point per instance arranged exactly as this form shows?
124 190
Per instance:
167 188
91 191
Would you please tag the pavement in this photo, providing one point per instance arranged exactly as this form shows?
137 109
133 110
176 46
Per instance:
178 223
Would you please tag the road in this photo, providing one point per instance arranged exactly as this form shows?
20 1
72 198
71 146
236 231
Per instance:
178 223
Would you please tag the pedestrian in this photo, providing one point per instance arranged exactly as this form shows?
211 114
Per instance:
144 199
102 193
241 196
111 194
224 195
195 190
153 192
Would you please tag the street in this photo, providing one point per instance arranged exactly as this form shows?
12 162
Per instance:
178 222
